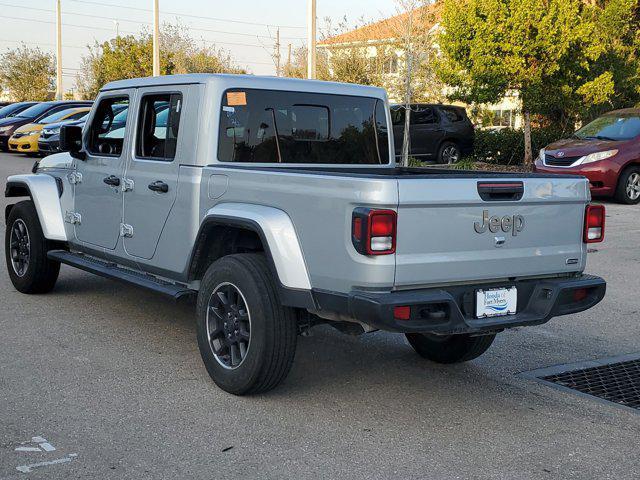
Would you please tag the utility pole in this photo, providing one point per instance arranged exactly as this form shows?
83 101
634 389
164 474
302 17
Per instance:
117 25
311 40
156 39
59 89
277 56
289 58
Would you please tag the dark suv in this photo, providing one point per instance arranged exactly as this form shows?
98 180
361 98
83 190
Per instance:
442 133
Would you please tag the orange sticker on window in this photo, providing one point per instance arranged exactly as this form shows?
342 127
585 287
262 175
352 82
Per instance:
236 99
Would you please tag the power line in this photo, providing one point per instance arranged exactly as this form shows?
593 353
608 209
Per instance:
200 17
40 44
123 31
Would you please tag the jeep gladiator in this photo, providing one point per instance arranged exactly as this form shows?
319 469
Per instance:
278 204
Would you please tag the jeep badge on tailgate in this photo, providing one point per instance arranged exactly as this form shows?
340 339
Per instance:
514 224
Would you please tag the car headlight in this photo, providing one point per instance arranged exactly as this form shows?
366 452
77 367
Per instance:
51 131
5 129
541 155
596 157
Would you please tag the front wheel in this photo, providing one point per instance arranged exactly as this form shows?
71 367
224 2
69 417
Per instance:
30 270
449 348
247 339
628 190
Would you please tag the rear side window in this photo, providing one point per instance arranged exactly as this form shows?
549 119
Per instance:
158 126
264 126
453 114
106 133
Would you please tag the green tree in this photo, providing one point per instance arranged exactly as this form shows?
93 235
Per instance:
131 56
560 56
27 73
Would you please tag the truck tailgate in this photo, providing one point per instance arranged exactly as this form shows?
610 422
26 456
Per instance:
445 234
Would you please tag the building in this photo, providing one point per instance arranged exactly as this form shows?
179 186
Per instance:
383 37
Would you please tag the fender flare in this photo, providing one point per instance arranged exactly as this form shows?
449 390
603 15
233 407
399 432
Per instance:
45 194
277 233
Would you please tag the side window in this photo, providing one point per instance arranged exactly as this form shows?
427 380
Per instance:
158 126
106 133
452 114
423 116
397 116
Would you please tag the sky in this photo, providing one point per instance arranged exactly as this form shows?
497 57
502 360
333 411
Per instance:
245 28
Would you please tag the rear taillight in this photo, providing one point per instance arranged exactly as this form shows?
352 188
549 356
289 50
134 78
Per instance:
594 220
373 232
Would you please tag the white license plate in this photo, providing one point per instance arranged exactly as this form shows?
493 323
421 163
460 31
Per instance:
496 302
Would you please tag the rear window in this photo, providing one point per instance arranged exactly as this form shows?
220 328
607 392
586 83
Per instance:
265 126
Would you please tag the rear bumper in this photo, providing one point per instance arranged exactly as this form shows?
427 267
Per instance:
451 310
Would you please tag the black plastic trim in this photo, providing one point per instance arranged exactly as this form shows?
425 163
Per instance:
16 189
290 297
111 270
450 310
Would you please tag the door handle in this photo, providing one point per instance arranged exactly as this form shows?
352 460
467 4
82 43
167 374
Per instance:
159 186
112 180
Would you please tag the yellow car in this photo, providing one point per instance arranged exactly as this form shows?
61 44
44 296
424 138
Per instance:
25 138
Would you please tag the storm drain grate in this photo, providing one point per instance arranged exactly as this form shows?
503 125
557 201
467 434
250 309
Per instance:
615 380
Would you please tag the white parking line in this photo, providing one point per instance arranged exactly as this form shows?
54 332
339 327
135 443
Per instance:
29 468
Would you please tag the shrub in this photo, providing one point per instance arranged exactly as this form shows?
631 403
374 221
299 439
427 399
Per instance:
506 147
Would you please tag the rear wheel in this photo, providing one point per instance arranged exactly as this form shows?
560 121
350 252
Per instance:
247 339
449 348
30 270
628 190
449 153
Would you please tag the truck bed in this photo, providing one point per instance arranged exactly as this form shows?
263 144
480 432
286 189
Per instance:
395 172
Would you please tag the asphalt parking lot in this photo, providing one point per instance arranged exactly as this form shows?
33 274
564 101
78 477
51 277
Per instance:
110 376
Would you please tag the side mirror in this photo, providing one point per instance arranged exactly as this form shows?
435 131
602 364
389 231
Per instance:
71 141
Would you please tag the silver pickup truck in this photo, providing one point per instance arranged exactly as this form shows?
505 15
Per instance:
277 203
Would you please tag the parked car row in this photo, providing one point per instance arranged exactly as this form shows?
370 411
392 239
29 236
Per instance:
22 123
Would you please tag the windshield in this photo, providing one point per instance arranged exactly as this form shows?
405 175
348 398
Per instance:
35 111
266 126
611 127
54 117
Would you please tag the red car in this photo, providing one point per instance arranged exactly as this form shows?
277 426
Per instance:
606 151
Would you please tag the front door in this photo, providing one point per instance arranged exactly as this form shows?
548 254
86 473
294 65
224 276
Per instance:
152 172
98 187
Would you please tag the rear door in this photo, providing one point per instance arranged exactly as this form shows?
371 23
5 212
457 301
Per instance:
152 172
451 230
426 131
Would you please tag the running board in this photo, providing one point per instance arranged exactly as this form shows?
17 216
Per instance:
115 272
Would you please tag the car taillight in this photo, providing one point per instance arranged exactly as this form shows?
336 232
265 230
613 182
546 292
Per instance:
373 232
594 224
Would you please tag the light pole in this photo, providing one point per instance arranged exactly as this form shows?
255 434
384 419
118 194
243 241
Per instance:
59 90
156 39
311 40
